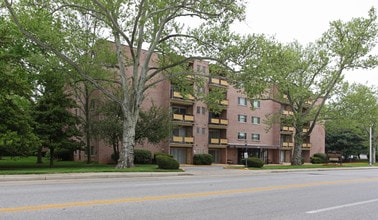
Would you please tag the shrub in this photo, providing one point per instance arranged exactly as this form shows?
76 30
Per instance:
254 162
160 154
166 162
202 159
142 156
321 155
319 158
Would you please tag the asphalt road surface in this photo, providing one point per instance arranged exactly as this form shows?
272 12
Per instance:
211 193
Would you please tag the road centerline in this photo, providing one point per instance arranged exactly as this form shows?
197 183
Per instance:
177 196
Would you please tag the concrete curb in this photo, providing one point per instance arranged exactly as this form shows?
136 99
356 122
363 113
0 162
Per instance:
67 176
224 171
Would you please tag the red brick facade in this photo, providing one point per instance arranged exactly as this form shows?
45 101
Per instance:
226 136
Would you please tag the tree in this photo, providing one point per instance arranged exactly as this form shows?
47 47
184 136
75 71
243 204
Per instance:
147 31
16 133
304 78
354 108
349 142
56 126
153 125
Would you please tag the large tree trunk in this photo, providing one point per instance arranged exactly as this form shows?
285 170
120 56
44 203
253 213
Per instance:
126 154
297 151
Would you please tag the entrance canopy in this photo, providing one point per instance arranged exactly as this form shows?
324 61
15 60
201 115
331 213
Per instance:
261 146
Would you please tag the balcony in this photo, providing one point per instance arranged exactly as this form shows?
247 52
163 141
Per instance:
178 98
287 113
183 119
218 82
224 102
287 145
287 129
179 141
306 146
218 123
218 143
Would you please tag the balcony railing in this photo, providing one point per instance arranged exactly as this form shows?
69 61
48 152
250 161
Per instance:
306 145
287 144
218 141
287 113
180 96
219 121
287 128
183 118
183 140
224 102
216 81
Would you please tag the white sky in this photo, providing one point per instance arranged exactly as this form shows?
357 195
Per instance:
305 21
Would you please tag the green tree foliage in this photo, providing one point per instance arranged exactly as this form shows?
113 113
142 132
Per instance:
349 142
165 29
355 109
154 124
56 125
16 133
305 77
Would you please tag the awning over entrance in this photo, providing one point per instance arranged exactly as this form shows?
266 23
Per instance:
261 146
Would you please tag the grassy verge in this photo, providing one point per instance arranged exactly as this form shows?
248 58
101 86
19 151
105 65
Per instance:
28 165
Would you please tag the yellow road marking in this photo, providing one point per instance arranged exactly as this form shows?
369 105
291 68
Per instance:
176 196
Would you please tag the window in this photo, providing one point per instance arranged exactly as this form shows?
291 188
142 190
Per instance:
203 110
242 135
256 104
255 137
242 101
242 118
255 120
198 68
198 109
198 130
203 130
204 69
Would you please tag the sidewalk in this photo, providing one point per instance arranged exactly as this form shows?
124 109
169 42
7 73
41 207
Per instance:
189 170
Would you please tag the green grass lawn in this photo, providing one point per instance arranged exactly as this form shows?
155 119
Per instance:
28 165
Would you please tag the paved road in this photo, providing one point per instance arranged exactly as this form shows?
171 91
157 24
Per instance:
208 193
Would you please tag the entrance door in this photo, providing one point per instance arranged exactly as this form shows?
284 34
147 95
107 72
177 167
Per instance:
179 154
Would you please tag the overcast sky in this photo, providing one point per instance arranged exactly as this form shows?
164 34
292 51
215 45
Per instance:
305 21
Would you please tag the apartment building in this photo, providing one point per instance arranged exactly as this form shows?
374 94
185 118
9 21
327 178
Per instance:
238 128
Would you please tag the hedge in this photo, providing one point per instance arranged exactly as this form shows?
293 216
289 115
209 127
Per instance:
254 162
202 159
166 162
142 156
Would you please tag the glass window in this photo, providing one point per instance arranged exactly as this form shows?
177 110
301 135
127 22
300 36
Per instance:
242 118
203 110
255 137
256 104
203 130
242 135
255 120
242 101
198 109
